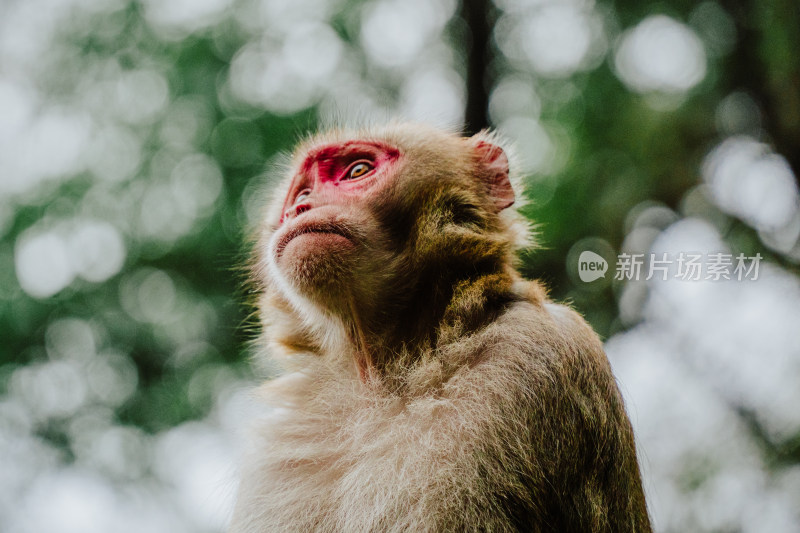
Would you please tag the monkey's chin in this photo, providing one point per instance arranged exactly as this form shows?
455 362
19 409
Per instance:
314 246
317 261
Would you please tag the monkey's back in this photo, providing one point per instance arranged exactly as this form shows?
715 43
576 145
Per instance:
521 428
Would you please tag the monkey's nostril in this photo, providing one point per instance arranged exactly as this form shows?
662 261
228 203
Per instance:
300 209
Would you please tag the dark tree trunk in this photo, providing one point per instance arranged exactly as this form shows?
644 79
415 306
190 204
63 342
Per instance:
765 65
476 14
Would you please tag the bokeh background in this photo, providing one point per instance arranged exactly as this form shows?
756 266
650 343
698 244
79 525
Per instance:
136 139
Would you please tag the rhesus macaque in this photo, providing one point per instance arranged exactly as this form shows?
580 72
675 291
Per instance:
427 386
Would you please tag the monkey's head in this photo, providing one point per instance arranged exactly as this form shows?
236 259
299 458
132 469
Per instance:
371 222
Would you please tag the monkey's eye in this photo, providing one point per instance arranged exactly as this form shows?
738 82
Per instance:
302 196
358 170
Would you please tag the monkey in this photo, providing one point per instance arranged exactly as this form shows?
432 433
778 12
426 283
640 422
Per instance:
425 386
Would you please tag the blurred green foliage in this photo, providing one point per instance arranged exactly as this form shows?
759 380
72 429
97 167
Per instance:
623 152
145 94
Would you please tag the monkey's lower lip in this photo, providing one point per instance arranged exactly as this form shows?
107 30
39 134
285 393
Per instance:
309 228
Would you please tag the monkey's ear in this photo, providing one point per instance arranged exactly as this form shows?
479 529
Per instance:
494 173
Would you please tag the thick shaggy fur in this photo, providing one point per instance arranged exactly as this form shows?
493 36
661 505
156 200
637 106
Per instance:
434 389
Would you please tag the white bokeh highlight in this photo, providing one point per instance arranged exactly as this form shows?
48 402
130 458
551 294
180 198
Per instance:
660 55
47 261
745 175
554 39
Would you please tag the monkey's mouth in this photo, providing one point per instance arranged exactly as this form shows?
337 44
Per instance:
328 228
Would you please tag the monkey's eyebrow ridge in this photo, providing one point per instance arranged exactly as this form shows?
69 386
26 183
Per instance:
359 148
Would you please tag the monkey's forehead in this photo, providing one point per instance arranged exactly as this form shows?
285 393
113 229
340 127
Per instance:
401 135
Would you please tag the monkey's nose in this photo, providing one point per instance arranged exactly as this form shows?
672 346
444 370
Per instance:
301 204
296 210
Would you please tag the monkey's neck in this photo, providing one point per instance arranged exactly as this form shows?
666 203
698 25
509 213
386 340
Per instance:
380 341
388 340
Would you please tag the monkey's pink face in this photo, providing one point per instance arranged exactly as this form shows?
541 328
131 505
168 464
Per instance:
324 220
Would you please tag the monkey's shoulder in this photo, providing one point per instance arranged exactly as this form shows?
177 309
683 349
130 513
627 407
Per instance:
544 331
537 354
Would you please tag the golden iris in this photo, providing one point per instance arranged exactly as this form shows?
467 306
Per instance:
359 170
